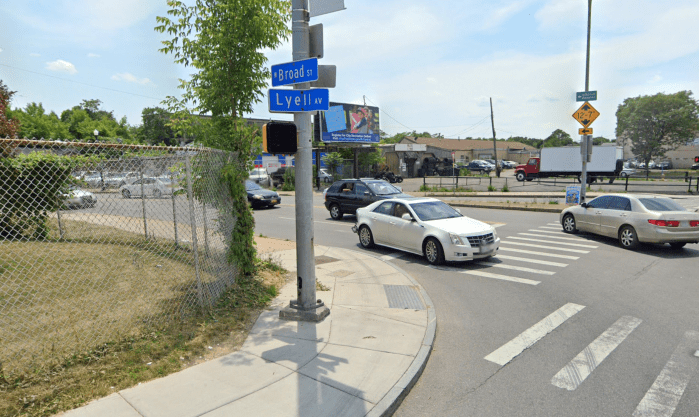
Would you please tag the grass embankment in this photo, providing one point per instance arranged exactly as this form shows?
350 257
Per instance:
124 301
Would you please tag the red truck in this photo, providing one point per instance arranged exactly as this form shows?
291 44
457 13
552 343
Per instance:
607 161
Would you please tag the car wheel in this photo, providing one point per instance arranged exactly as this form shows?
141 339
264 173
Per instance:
365 237
335 212
126 193
569 224
520 176
627 237
677 245
433 251
157 193
624 175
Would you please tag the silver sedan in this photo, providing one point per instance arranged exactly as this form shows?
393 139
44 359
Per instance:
633 219
425 226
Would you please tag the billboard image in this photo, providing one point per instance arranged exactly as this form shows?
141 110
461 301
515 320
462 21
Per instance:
344 122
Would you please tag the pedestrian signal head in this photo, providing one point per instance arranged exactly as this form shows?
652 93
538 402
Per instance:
279 138
696 159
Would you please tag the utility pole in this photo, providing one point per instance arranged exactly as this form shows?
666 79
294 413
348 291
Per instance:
495 144
584 146
306 307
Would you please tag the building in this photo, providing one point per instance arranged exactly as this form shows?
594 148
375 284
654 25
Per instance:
408 156
681 158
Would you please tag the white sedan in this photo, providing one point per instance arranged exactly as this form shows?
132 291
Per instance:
425 226
154 187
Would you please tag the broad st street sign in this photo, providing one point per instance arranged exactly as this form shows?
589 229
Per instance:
297 101
295 72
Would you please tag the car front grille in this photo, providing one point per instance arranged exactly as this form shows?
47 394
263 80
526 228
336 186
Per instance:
476 241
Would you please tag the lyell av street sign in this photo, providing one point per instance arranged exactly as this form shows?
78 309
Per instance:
295 72
586 114
296 101
586 96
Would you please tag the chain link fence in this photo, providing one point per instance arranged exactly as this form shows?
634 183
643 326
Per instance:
104 241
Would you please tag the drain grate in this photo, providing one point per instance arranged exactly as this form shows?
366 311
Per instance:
403 296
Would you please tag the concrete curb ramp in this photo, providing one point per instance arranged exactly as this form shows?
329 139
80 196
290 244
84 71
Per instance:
360 361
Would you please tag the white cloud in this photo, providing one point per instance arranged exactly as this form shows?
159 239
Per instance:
501 14
60 65
91 55
0 49
125 76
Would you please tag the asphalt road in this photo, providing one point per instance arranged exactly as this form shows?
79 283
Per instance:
610 321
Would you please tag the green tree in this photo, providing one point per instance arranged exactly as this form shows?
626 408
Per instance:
600 140
35 123
223 42
557 138
84 119
657 124
332 161
8 125
156 128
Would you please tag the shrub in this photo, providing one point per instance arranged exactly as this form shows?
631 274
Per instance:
491 188
505 188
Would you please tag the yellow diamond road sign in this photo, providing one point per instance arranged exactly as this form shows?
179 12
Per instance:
586 114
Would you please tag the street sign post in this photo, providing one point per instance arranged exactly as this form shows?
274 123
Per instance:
296 72
586 114
298 101
586 96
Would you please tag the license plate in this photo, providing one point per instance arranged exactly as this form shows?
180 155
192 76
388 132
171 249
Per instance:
487 248
275 201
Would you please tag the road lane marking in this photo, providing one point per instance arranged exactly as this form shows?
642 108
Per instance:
501 277
550 227
575 372
534 261
553 224
572 239
559 232
515 268
530 252
555 243
544 247
505 353
665 393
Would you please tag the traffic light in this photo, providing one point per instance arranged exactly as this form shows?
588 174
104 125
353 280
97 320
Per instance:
696 159
279 138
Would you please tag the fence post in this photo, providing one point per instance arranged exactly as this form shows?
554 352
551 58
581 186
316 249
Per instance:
58 215
193 225
143 203
626 187
689 188
490 179
206 230
174 211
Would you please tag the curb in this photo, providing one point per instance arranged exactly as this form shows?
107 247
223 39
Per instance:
486 206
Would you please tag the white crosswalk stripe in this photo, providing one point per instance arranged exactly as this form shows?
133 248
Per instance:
665 393
530 252
533 261
572 239
551 227
560 232
529 245
515 268
500 277
573 374
555 243
504 354
553 224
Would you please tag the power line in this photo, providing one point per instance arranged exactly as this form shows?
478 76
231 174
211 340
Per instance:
78 82
384 111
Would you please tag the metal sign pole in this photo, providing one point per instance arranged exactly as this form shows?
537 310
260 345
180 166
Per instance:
306 307
583 145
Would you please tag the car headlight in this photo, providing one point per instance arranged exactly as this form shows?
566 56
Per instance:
257 197
455 239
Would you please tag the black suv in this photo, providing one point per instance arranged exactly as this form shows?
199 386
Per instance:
478 166
277 177
346 196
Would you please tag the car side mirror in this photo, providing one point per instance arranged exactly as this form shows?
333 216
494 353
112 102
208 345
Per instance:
583 205
459 210
407 216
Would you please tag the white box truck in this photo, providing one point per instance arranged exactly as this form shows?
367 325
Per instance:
566 161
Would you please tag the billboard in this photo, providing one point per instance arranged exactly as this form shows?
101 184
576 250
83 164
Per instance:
344 122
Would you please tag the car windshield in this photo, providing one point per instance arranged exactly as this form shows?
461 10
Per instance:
382 188
434 210
661 204
249 186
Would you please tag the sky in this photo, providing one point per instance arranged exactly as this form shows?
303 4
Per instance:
428 66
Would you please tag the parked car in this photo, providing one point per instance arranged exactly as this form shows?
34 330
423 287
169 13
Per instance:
324 176
508 164
627 172
695 166
79 198
260 176
663 165
427 227
259 197
277 177
478 165
633 219
154 187
346 196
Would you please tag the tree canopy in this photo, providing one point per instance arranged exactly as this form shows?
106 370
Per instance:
557 138
657 124
156 127
8 125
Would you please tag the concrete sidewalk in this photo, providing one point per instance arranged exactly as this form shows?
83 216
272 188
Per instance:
360 361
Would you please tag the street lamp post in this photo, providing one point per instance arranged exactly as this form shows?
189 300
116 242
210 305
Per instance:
96 133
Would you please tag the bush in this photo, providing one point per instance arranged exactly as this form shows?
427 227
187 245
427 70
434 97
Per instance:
505 188
491 188
289 180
